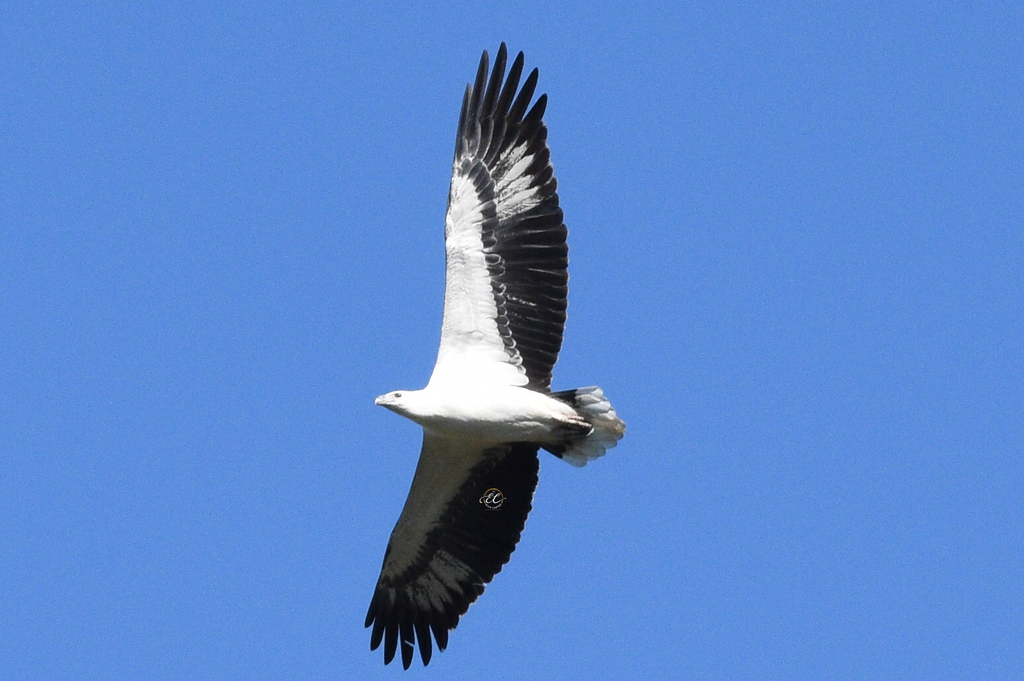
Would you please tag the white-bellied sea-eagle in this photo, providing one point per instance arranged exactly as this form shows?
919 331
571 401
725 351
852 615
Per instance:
488 406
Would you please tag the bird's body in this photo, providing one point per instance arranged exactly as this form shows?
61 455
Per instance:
488 413
488 406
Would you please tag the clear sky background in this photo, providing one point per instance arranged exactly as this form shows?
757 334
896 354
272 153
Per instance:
796 255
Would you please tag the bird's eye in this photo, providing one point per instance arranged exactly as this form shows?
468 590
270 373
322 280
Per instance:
399 395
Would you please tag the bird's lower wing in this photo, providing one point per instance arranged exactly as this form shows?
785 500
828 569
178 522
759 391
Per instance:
450 540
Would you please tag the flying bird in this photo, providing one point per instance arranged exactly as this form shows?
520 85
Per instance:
488 406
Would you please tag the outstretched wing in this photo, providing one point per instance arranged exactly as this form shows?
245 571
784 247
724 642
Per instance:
450 540
506 254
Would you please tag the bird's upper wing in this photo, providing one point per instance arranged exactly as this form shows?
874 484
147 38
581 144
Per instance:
505 243
448 543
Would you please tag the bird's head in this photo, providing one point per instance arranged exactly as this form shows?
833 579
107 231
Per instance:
398 401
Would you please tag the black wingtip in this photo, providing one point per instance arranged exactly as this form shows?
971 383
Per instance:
371 611
494 85
423 636
440 634
405 629
481 79
539 107
390 643
515 114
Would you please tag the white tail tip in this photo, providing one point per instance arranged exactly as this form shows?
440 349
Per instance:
593 406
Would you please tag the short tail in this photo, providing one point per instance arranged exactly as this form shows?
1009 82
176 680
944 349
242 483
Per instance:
594 407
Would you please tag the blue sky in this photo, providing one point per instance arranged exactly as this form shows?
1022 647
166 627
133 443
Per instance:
796 249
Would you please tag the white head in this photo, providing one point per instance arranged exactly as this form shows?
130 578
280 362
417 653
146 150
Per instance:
400 401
